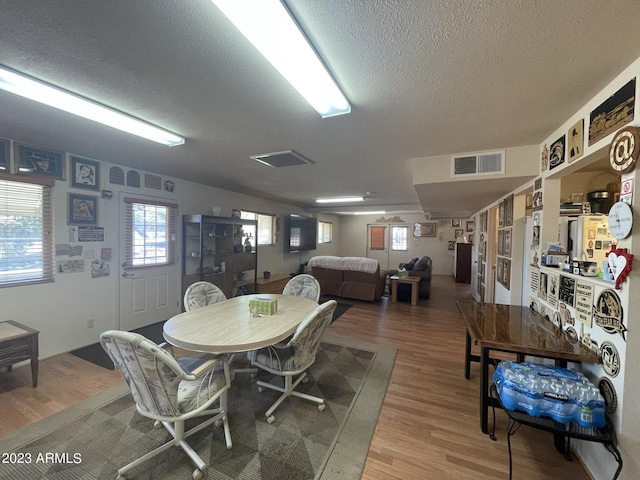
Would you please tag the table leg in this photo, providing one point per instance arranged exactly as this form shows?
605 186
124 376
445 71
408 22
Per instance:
467 356
414 293
484 390
394 290
34 372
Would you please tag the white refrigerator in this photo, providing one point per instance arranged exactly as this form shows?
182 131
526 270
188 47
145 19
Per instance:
589 238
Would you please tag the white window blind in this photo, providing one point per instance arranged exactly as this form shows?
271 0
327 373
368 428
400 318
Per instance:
150 228
26 232
325 232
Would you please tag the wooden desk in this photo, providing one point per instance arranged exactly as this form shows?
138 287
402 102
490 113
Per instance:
228 326
413 281
274 284
18 343
513 329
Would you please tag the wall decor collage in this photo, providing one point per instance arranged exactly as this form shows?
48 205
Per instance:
505 222
82 208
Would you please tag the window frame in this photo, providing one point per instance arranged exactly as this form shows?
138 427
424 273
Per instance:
393 238
254 238
47 251
322 226
170 234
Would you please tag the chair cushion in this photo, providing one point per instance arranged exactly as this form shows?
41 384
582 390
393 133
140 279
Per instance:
278 359
193 393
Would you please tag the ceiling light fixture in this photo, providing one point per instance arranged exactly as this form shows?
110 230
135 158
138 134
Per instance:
378 212
271 28
340 200
27 87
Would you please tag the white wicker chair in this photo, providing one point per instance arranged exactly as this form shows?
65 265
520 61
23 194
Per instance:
294 357
171 391
303 285
201 294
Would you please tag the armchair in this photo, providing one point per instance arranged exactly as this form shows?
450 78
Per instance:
420 267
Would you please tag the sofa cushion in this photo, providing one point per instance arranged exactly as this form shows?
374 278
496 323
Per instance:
409 265
422 264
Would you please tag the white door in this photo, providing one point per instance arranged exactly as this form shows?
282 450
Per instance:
148 293
388 244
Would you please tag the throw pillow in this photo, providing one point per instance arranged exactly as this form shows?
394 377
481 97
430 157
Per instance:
409 266
422 264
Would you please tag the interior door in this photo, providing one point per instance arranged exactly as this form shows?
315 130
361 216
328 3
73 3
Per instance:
147 294
378 244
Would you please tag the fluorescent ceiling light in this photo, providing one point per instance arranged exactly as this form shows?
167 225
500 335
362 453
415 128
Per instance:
340 200
270 27
379 212
24 86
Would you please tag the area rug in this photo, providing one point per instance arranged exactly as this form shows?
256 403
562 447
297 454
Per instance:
94 353
91 440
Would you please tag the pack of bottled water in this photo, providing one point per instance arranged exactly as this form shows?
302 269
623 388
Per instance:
549 391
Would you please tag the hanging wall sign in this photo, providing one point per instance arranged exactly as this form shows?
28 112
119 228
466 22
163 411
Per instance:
625 149
608 313
609 394
620 262
584 302
567 290
610 359
553 288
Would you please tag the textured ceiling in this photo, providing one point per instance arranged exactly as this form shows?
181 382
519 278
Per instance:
424 78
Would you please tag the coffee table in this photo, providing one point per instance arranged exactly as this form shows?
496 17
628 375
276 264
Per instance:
413 281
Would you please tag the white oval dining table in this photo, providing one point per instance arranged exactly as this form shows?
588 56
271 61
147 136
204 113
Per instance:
229 326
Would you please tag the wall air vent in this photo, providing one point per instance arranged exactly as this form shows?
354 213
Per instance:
477 164
289 158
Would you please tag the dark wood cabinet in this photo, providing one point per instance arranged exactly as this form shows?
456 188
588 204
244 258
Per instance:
213 250
462 263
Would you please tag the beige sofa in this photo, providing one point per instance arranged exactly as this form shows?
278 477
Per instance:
349 277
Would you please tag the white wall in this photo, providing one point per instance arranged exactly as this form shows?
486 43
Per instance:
353 239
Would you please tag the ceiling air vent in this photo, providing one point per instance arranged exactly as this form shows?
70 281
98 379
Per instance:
290 158
478 164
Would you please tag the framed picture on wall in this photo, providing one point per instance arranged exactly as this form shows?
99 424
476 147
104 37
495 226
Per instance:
459 233
85 173
470 226
455 223
451 245
506 249
38 161
82 210
424 229
508 211
501 214
500 242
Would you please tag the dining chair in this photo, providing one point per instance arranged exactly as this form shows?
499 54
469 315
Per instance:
201 294
171 391
294 357
303 285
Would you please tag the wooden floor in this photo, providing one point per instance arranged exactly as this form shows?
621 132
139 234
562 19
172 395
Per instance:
429 424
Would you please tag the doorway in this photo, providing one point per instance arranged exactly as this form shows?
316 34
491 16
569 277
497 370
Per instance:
148 260
388 244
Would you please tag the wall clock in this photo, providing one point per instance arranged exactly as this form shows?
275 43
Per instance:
625 150
620 220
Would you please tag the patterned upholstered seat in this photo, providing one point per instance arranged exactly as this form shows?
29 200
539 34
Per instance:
200 294
294 357
171 391
303 285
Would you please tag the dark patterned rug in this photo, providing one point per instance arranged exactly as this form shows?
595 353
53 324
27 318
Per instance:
93 439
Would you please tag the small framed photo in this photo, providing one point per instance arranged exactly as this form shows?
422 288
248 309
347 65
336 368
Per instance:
508 211
455 223
5 164
459 233
506 250
451 245
38 161
501 214
500 242
85 173
82 210
470 226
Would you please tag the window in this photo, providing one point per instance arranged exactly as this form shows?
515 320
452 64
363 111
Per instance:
26 232
399 238
325 232
150 233
265 227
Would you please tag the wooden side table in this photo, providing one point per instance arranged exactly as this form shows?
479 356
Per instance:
18 343
274 284
413 281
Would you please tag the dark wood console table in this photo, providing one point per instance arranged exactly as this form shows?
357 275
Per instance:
19 343
513 329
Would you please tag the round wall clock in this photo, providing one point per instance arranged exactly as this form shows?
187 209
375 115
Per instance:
625 150
620 220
